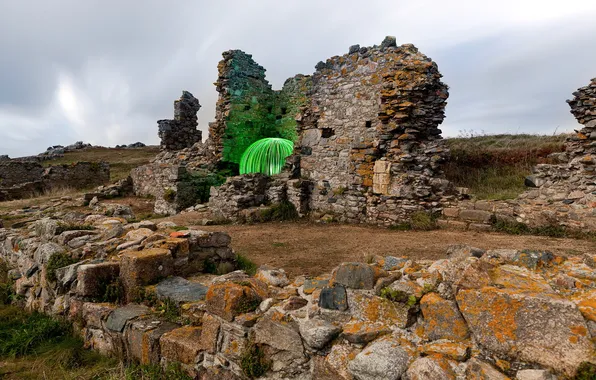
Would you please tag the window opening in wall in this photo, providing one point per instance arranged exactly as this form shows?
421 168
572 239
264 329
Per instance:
368 124
246 107
327 132
284 110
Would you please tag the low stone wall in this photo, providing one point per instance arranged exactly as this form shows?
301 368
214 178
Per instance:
26 179
494 314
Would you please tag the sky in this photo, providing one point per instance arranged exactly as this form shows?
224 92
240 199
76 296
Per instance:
105 71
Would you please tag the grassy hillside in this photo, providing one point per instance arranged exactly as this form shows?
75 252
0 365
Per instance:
121 160
494 166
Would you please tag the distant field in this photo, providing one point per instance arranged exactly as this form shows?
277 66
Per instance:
121 160
494 166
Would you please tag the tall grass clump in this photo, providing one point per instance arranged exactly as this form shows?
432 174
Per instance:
495 166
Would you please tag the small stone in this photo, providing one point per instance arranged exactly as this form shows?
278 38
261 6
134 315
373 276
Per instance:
272 276
535 374
334 298
354 276
317 332
381 360
180 290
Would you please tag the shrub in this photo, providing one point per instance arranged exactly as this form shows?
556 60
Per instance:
423 221
112 292
196 187
62 227
169 310
172 371
57 260
169 195
21 333
253 362
245 264
586 371
279 212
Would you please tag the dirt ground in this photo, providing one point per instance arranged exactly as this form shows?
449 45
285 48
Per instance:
312 249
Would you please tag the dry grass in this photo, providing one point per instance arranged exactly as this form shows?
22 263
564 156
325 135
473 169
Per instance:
495 166
121 161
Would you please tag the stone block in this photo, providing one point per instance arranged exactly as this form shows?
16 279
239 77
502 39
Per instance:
140 268
180 290
382 360
451 212
272 276
143 337
475 215
354 276
181 345
442 319
118 318
480 227
452 224
209 334
554 334
92 279
230 299
95 314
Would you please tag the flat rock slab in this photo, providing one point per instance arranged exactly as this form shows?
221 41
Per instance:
181 290
118 318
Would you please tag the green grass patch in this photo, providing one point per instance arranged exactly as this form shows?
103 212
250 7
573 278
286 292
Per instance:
555 231
279 212
57 260
245 264
419 221
495 166
253 361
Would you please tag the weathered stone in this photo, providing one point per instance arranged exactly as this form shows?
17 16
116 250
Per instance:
334 298
209 334
312 284
272 276
362 332
373 309
540 328
283 342
119 317
143 337
294 303
479 370
45 251
139 234
535 374
93 279
455 350
354 276
180 290
230 299
181 345
431 368
381 360
317 332
145 267
336 363
475 215
533 259
442 319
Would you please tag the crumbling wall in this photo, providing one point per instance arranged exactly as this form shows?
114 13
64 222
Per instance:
161 182
22 179
18 172
368 138
181 132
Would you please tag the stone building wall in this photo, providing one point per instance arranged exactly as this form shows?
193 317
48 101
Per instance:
181 132
161 182
18 172
24 179
370 139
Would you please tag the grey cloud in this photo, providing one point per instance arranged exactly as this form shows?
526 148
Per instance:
128 61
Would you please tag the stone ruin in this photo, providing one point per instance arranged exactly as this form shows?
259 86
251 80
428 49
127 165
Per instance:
23 179
181 132
476 314
368 148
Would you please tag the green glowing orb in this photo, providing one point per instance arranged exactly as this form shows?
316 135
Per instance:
267 156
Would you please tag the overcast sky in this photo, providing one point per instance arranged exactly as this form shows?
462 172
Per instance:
104 71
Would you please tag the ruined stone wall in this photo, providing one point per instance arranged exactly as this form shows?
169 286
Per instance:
181 132
23 179
161 182
370 139
17 172
497 314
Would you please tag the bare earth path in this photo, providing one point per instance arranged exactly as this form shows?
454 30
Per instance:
312 249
